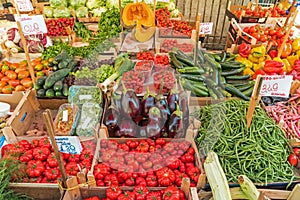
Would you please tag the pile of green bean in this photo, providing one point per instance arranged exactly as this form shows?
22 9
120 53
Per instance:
259 152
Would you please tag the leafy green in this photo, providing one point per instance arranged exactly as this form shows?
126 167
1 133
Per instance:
48 11
99 75
61 12
109 24
81 12
82 31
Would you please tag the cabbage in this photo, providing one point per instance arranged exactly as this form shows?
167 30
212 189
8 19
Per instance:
92 4
48 11
61 12
77 3
98 11
57 3
13 35
81 12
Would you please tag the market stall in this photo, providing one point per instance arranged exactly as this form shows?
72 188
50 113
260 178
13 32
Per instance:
119 100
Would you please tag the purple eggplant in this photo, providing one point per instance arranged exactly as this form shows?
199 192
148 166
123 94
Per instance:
131 105
111 119
116 101
127 128
148 102
175 127
173 98
155 123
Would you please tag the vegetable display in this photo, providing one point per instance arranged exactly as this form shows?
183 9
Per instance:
242 150
82 31
109 24
144 163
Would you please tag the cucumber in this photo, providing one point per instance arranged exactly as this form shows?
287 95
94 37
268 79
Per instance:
238 77
37 87
197 78
229 65
236 83
58 94
214 87
232 72
195 90
41 81
210 59
62 56
248 92
50 93
41 93
234 91
65 90
72 64
58 86
191 70
200 57
245 87
55 76
185 60
174 62
63 64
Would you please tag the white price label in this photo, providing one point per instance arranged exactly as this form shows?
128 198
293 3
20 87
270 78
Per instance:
24 5
206 28
276 86
68 144
65 115
32 25
85 97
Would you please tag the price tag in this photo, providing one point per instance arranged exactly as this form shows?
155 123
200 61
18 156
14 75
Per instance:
24 5
276 86
206 28
85 97
65 115
32 25
68 144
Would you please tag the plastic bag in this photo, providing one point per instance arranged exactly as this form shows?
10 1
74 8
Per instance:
61 12
89 119
77 3
57 3
81 12
82 94
48 11
66 119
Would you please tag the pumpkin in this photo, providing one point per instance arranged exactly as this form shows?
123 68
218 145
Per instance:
138 13
144 34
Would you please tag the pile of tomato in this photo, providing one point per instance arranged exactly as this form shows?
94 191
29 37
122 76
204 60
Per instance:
169 44
134 80
147 162
294 157
141 193
145 55
58 27
261 12
37 162
165 78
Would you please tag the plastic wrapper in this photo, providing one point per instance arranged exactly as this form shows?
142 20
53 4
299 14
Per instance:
66 119
89 119
82 94
57 3
48 11
61 12
81 12
77 3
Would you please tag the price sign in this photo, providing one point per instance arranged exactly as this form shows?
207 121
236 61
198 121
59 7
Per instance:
68 144
206 28
276 86
24 5
32 25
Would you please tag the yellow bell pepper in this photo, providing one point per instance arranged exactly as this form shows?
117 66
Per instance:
248 71
258 66
258 52
244 61
296 45
267 57
253 59
292 59
287 66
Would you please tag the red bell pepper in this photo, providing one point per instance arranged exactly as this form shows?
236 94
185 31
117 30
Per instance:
165 176
171 193
151 181
258 72
244 49
273 53
154 196
140 192
113 192
194 173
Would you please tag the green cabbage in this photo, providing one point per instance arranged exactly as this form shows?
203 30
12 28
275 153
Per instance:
61 12
58 3
48 11
81 12
98 11
77 3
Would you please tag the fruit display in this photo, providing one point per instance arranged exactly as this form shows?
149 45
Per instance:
37 163
147 163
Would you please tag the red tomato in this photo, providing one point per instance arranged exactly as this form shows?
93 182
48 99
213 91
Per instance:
293 160
11 74
263 38
7 89
23 74
2 83
19 88
296 151
272 32
27 82
14 83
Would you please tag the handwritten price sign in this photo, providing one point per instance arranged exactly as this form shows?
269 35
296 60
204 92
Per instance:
68 144
276 86
206 28
24 5
32 25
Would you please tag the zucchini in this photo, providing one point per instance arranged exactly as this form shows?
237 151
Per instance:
63 64
228 65
212 61
238 77
217 57
248 92
197 78
58 86
200 56
58 94
195 90
223 56
211 93
184 60
237 83
41 93
50 93
232 72
41 81
65 90
62 56
191 70
214 87
245 87
174 62
55 76
234 91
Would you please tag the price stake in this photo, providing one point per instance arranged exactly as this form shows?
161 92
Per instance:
68 144
276 86
206 28
24 5
32 25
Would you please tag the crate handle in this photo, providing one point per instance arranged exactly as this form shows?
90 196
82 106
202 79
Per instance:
24 117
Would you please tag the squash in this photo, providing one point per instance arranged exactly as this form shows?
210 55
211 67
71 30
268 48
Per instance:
144 34
141 13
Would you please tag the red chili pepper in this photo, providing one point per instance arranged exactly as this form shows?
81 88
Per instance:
273 54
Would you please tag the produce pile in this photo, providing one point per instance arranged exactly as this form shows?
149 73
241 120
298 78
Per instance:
14 77
37 163
148 163
214 75
58 27
262 12
260 152
142 192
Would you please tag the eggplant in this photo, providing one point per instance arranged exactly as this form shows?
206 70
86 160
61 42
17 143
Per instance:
111 119
116 101
127 128
173 98
131 106
184 107
175 125
155 123
148 102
